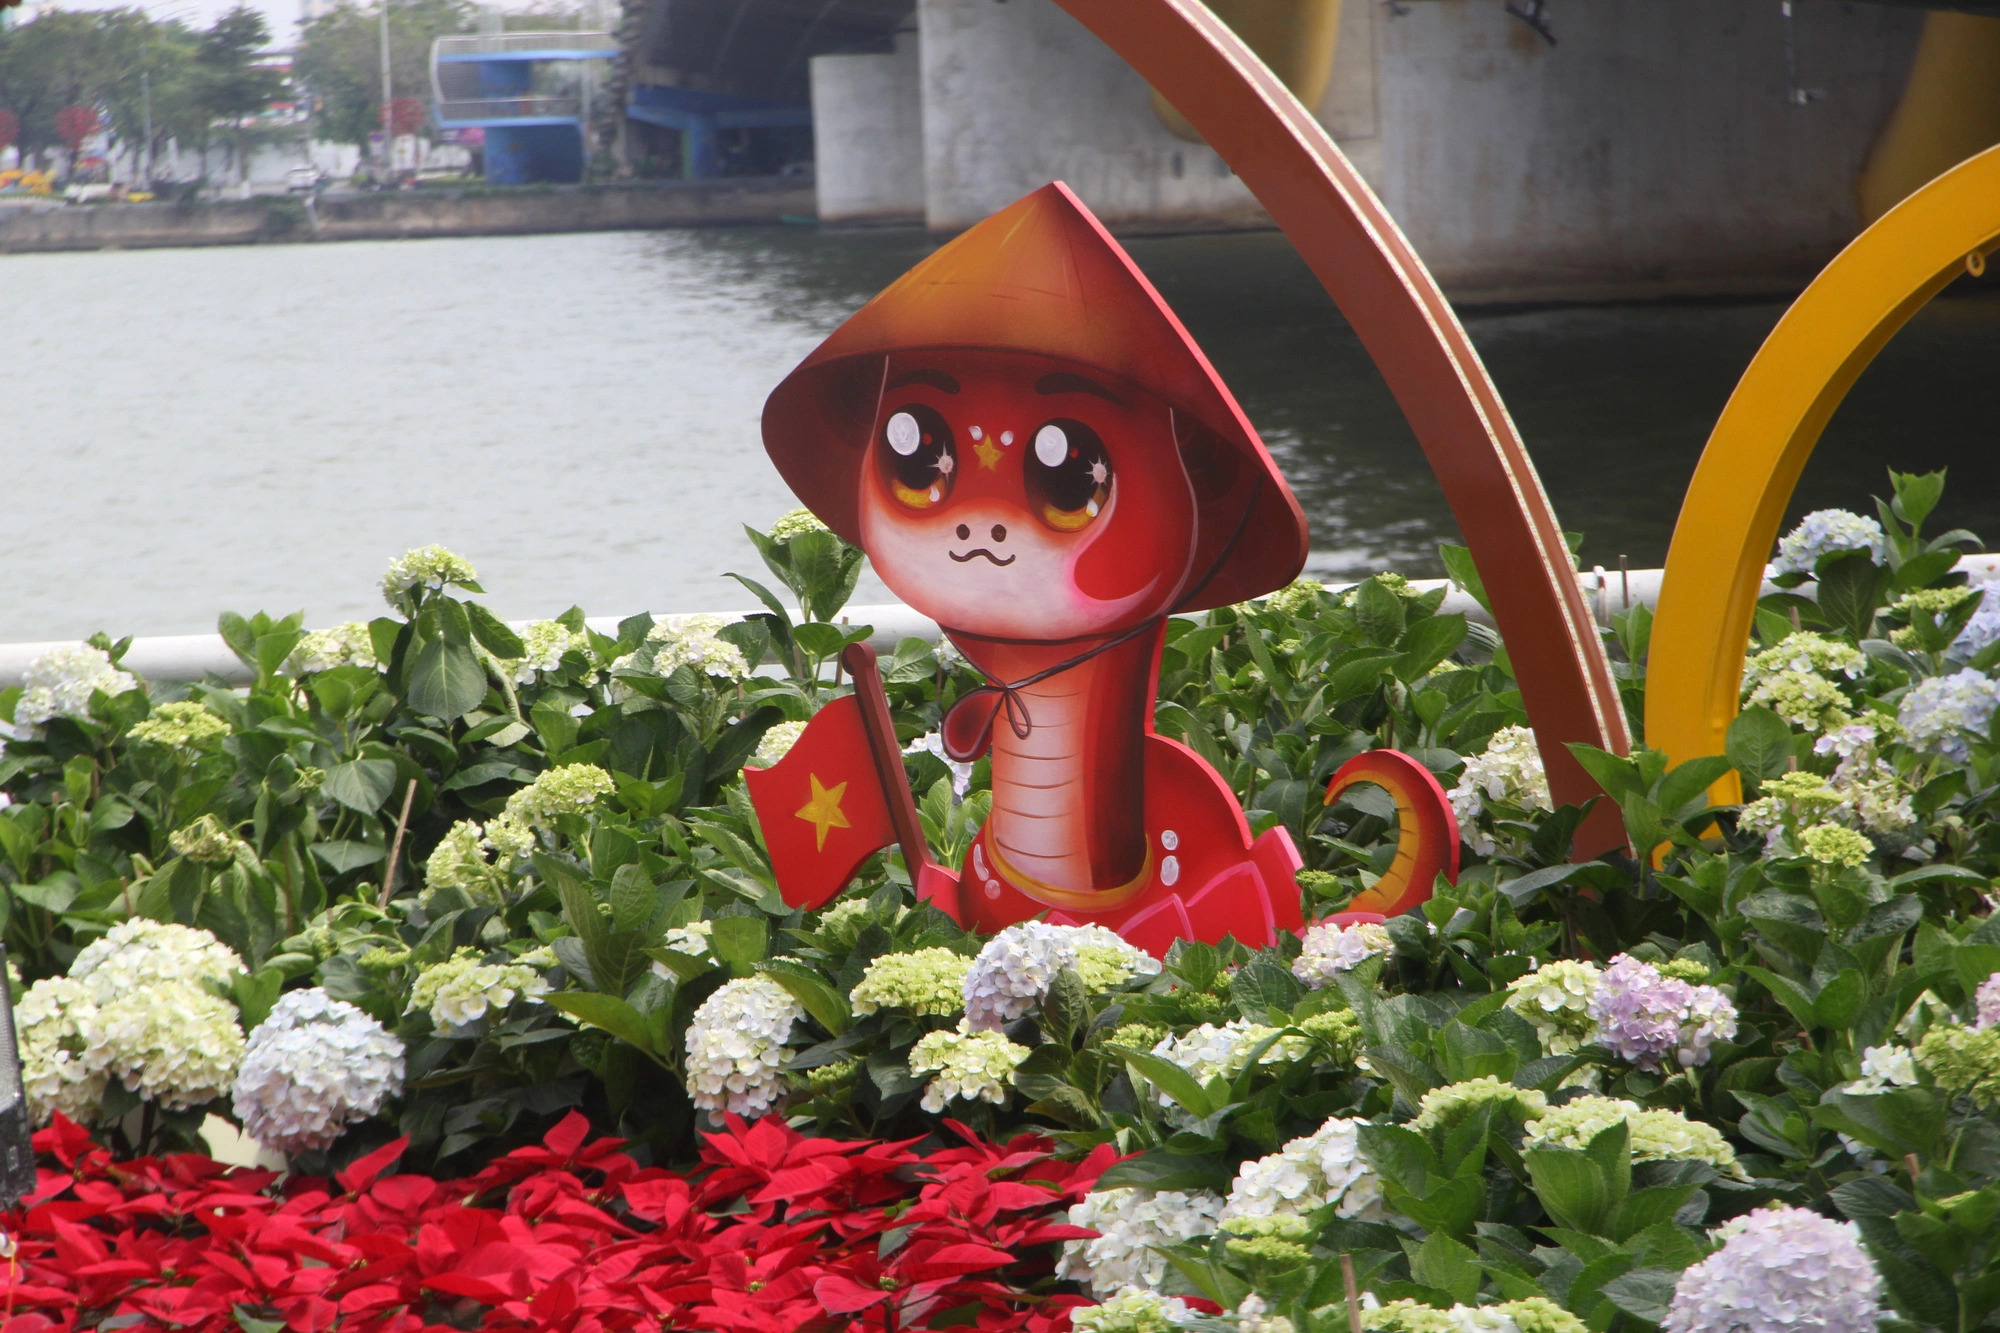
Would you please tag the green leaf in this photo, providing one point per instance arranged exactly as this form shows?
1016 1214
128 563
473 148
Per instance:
1802 1003
1689 780
1161 1170
828 1007
1170 1079
1840 999
1759 744
344 855
1572 1187
446 680
1850 590
1378 613
1917 494
1458 565
1065 1006
740 941
1443 1263
608 1012
493 634
362 785
1643 1293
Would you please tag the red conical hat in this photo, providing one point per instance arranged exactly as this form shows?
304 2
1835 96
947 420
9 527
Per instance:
1043 276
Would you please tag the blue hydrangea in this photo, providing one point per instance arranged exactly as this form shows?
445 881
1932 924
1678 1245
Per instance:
1824 531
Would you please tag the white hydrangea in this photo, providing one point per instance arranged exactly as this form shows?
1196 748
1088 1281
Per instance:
1806 652
324 649
1884 1067
1509 770
1210 1052
933 743
1780 1270
59 1069
1130 1223
569 789
691 641
1556 999
691 939
1328 949
313 1067
61 681
172 1043
968 1065
545 642
1104 958
1936 712
736 1046
1013 972
1824 531
776 743
1324 1167
422 567
139 955
460 991
1132 1311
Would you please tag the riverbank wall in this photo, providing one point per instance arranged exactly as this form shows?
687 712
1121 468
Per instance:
626 206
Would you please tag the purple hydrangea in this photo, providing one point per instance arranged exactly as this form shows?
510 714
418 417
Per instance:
1780 1270
1987 997
1643 1016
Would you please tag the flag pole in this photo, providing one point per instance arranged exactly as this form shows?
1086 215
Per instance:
859 659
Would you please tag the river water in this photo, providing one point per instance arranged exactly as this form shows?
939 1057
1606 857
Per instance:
190 431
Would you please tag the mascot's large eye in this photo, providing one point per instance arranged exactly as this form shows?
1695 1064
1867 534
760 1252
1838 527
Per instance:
917 456
1068 475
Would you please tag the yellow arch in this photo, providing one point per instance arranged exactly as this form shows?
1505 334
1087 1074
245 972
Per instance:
1730 518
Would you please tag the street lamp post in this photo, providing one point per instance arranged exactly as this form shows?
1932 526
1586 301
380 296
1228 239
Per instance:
388 104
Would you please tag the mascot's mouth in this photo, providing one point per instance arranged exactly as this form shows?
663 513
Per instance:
980 550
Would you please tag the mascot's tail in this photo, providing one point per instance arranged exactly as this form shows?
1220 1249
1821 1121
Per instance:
1426 846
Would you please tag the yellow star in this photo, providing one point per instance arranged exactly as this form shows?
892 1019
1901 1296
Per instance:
823 810
988 454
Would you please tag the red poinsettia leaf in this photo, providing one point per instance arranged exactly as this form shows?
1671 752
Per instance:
568 1136
364 1170
954 1259
484 1290
838 1294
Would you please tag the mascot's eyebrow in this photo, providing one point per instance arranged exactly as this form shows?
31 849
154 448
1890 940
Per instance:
937 379
1066 383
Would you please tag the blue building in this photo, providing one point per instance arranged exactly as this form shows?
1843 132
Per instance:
529 92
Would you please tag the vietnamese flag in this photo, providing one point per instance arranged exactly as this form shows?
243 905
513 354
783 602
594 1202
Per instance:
823 807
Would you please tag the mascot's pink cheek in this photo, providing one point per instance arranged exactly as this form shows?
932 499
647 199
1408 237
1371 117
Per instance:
1112 568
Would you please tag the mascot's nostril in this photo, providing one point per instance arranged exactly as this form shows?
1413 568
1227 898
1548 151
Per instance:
999 532
964 533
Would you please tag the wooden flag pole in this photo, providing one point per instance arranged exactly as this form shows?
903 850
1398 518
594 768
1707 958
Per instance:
859 659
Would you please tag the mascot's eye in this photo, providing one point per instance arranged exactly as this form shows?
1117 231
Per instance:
1068 475
917 456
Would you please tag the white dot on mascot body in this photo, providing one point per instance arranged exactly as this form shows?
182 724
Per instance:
904 434
1051 446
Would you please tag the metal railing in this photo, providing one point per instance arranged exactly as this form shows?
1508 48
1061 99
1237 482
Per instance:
585 44
508 108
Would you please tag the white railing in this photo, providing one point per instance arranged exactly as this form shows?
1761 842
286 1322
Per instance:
510 43
508 108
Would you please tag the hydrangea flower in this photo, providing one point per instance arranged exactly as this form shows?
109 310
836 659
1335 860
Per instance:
422 568
736 1046
545 642
1328 949
1508 771
972 1066
1824 531
776 743
1807 652
61 681
1130 1223
1133 1310
206 841
59 1070
1253 1313
138 955
459 862
460 991
1556 999
1963 1060
1533 1314
1984 627
926 982
1104 958
1321 1168
1210 1052
795 523
324 649
1445 1107
1987 1001
1832 845
1884 1067
313 1067
1340 1030
690 641
567 790
1805 699
182 726
1013 972
1937 712
1651 1135
1869 794
173 1044
1642 1016
1300 597
1780 1270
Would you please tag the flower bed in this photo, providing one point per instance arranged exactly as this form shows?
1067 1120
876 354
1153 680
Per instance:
475 894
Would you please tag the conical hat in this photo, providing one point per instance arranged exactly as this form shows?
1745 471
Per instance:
1043 276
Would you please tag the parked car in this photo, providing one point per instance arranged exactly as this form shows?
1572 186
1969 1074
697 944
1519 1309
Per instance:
304 180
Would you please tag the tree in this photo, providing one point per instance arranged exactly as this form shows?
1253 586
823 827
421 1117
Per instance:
234 86
53 62
340 59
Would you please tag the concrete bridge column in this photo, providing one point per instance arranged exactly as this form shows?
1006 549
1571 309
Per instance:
868 138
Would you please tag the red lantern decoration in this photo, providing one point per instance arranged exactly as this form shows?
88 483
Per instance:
405 115
10 126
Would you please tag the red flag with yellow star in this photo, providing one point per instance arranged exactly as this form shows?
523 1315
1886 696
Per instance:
823 807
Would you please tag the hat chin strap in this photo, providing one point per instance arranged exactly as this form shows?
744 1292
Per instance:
967 730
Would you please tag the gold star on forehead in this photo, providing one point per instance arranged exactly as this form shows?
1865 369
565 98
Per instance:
988 454
823 810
